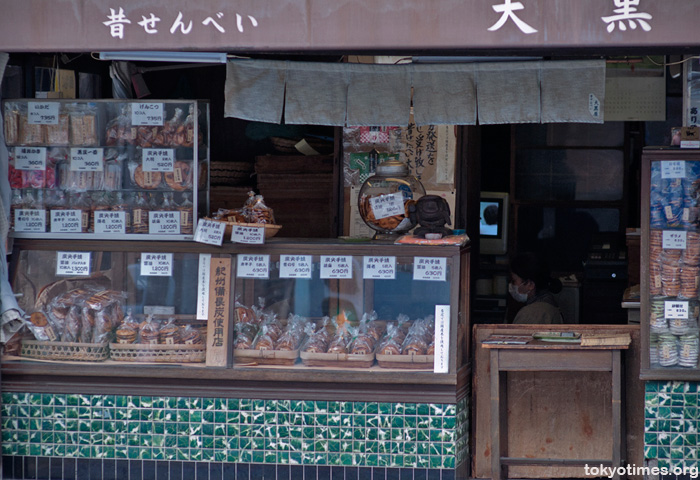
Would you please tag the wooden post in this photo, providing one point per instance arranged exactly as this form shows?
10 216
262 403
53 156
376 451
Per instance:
219 312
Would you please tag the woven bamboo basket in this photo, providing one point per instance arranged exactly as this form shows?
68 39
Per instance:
135 352
85 352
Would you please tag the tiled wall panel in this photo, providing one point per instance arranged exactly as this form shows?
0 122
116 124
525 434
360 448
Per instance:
236 431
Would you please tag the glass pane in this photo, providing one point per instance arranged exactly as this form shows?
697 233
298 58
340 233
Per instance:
610 134
563 235
563 174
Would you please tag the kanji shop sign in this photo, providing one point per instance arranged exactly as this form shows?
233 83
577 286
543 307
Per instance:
293 25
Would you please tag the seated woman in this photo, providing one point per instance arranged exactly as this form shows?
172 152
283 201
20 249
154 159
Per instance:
532 284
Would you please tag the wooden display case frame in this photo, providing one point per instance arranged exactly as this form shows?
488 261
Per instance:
262 381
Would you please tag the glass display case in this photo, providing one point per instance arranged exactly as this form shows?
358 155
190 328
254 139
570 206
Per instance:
107 168
670 263
285 308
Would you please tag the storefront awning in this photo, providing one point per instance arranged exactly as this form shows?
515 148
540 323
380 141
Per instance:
353 26
348 94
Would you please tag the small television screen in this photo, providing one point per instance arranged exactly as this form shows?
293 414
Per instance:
493 223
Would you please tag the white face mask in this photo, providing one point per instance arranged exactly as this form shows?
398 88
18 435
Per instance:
515 293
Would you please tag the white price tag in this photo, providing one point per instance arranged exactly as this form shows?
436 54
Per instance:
387 205
430 268
107 221
147 114
203 286
676 309
73 264
156 264
164 222
30 220
253 266
379 268
30 158
251 235
673 169
86 159
66 221
158 159
333 266
295 266
42 113
210 232
674 239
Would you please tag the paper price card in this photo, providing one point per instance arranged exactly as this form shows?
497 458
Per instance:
430 268
673 169
674 239
441 359
379 268
30 158
73 264
210 232
30 220
253 266
295 266
387 205
251 235
86 159
156 264
158 159
203 274
66 221
676 309
107 221
42 113
147 114
333 266
165 222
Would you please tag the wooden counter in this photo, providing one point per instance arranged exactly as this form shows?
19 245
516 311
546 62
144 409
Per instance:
556 414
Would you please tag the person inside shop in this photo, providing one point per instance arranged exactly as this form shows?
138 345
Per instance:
533 288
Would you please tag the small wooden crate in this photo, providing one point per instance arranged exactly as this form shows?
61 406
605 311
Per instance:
85 352
160 353
266 357
413 362
338 360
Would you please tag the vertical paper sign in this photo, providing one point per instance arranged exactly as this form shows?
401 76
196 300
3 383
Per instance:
203 275
333 266
72 264
441 359
430 268
295 266
379 268
219 312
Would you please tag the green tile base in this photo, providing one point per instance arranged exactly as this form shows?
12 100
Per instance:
671 424
236 430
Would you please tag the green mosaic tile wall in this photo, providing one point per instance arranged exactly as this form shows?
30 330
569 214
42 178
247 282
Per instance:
672 423
236 430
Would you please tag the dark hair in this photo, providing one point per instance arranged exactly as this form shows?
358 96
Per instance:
491 214
530 266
